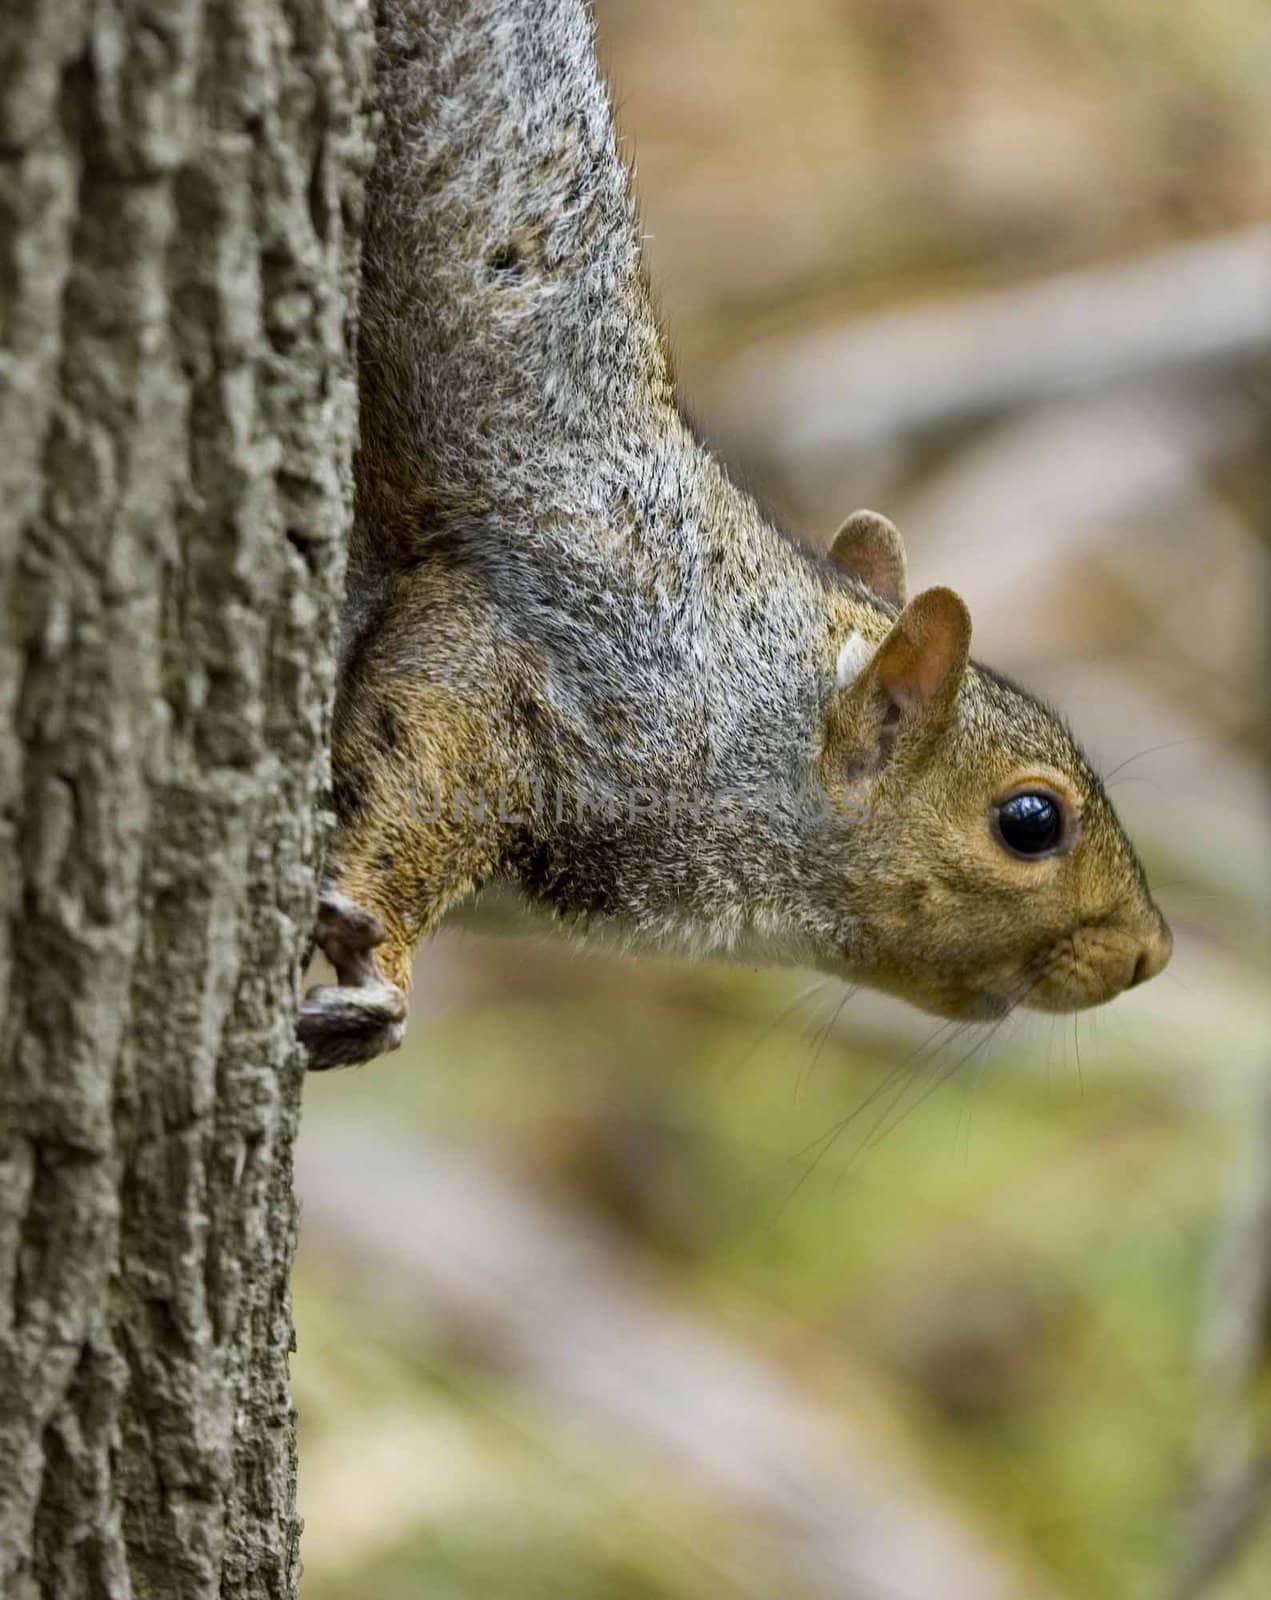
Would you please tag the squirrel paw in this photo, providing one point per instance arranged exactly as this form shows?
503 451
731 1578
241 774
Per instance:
362 1016
341 1026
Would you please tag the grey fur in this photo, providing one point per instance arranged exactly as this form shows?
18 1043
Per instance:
543 421
544 546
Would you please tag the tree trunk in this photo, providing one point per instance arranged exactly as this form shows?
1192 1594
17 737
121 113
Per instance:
180 186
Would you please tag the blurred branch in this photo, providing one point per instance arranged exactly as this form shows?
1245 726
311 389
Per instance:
1231 1495
1042 488
880 377
1229 1521
1232 1492
551 1295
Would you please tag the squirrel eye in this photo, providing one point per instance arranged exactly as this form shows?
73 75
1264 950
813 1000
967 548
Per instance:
1030 824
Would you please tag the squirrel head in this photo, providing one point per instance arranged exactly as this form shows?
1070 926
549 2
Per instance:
987 866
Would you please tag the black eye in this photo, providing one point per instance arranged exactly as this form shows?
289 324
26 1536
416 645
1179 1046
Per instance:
1030 824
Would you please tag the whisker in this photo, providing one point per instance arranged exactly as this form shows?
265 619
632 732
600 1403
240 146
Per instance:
807 1071
1170 976
899 1076
882 1127
1076 1044
897 1070
1028 978
1154 749
766 1033
897 1112
966 1109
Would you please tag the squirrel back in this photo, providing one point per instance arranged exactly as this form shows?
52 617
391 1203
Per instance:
580 663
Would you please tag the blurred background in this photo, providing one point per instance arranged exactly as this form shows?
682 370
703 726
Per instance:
630 1280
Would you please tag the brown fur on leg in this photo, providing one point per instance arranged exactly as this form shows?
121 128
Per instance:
403 851
362 1015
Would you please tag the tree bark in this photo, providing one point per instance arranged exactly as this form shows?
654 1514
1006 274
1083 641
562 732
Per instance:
180 194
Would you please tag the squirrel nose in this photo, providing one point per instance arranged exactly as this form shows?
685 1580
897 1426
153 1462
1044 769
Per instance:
1157 947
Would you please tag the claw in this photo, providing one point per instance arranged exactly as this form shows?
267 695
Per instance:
340 1027
347 933
362 1016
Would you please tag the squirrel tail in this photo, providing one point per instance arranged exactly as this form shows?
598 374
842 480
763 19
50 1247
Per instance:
505 327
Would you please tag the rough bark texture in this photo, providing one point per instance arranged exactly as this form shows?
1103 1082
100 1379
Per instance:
180 188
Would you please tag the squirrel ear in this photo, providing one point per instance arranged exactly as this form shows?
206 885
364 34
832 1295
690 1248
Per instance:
868 547
911 680
919 665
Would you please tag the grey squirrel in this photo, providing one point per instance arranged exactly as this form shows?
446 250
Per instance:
577 660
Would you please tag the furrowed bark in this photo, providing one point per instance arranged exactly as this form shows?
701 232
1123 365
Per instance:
180 195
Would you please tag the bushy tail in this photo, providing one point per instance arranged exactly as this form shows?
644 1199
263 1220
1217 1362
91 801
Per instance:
505 328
